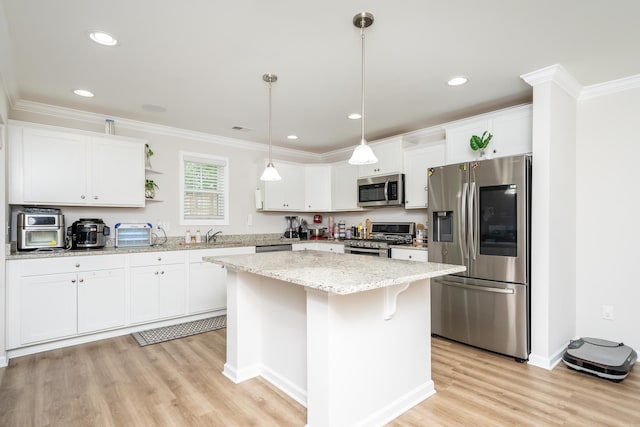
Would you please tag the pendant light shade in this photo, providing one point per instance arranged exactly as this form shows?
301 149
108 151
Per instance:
270 173
363 154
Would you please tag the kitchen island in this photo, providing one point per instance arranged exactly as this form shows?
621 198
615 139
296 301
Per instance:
347 336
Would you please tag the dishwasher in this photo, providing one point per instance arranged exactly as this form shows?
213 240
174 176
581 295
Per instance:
277 247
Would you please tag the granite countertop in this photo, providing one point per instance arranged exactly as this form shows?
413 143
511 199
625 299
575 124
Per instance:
334 272
172 244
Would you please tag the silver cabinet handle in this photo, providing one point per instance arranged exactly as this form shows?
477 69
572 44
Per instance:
82 197
156 273
95 197
77 265
159 258
477 288
81 280
73 280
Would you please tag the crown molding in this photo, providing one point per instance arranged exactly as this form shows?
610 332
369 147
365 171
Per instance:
556 74
608 88
94 118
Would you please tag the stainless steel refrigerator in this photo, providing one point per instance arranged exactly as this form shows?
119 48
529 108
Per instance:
479 216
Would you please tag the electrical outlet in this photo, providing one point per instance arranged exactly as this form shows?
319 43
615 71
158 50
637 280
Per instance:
162 224
607 312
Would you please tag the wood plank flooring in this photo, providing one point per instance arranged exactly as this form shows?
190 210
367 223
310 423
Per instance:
115 382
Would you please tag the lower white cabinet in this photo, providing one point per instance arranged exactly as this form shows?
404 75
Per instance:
410 254
49 299
208 281
158 286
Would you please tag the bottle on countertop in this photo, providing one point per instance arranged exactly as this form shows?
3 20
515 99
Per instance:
187 237
360 236
198 236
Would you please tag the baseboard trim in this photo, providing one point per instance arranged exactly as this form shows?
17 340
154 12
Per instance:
547 362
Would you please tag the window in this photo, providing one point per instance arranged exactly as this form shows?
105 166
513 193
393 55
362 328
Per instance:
204 189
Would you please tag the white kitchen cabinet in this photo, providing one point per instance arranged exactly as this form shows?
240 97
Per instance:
344 187
55 298
59 166
511 129
416 165
318 188
208 281
158 286
389 154
287 194
410 254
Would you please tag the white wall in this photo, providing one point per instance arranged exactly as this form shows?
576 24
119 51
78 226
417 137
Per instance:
608 230
245 166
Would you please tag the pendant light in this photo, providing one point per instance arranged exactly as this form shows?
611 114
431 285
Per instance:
270 173
363 154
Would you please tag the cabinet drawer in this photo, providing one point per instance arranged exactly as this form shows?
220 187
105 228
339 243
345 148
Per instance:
409 254
157 258
37 267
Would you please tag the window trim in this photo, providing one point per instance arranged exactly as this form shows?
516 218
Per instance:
203 158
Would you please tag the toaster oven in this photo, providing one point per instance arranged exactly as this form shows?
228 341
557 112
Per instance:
133 235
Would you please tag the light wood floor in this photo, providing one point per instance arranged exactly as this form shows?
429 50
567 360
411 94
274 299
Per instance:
179 383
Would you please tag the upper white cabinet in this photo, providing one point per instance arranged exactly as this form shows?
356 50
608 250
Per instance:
389 154
344 187
287 194
317 187
58 166
511 129
416 165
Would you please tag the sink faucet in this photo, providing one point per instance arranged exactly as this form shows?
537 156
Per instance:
210 236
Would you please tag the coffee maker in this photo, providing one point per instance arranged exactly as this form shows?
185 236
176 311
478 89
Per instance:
291 231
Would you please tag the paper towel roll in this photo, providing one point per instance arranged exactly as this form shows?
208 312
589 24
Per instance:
258 199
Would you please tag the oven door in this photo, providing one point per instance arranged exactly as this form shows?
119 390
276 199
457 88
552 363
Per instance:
379 252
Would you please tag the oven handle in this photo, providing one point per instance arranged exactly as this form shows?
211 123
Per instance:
356 250
477 288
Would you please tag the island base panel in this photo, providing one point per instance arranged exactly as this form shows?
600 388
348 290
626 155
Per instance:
335 354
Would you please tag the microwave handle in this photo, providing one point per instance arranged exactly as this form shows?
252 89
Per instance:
386 190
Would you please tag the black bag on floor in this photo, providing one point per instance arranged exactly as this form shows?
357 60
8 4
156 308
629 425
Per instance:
606 359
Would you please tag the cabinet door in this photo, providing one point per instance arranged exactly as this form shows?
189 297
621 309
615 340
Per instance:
101 300
47 307
389 156
317 188
512 133
207 287
117 172
55 167
171 290
416 165
458 136
288 193
144 294
344 187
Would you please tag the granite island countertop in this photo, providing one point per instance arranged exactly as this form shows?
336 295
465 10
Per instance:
333 272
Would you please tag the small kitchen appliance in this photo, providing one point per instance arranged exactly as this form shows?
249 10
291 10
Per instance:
40 228
88 233
291 231
606 359
133 235
381 237
381 191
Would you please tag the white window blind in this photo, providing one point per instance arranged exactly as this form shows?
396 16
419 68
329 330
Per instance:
204 189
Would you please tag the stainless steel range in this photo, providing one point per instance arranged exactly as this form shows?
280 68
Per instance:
382 236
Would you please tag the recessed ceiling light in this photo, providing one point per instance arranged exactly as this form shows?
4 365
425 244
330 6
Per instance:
293 137
354 116
457 81
103 38
83 92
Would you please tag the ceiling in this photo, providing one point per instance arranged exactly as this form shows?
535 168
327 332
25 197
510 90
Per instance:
202 61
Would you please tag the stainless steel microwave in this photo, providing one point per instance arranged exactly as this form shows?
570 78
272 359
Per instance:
379 191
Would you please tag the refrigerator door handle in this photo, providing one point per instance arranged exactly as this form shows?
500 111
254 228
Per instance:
463 219
477 288
472 228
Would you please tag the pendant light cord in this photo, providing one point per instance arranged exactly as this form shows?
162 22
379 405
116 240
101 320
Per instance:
270 160
362 140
